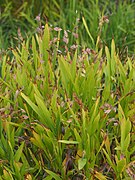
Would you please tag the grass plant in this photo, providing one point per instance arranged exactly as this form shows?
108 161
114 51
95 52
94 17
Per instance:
66 114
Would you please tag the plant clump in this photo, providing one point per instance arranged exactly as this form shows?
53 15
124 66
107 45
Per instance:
66 112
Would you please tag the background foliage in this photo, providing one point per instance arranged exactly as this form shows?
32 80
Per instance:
20 16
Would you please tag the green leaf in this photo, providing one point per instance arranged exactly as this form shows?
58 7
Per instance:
127 127
113 56
34 53
32 105
68 142
99 176
19 152
112 48
48 178
37 140
108 56
17 169
3 70
45 113
2 153
67 78
86 27
89 86
45 44
109 160
41 110
121 165
7 175
126 143
81 163
33 157
53 175
78 138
